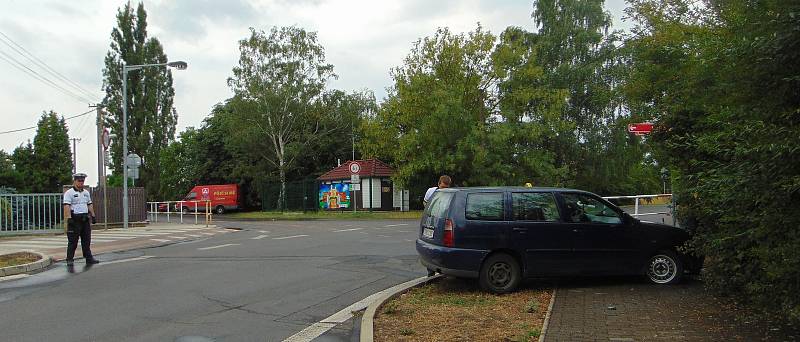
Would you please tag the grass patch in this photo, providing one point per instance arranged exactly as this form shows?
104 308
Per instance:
457 310
533 306
325 215
529 334
406 332
16 259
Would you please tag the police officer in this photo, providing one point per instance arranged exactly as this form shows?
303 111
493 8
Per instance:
78 211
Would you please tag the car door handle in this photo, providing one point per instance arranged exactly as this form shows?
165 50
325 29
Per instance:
520 230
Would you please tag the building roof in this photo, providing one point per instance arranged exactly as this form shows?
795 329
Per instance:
368 168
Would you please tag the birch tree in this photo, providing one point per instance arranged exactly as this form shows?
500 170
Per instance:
278 89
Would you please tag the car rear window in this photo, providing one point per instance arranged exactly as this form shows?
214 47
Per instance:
485 206
534 206
439 204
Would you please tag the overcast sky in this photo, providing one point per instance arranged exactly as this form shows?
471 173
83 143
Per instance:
363 39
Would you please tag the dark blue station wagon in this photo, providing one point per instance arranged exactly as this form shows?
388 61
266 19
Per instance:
502 235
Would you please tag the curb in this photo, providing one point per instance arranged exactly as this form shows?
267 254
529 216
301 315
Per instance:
547 316
42 263
367 333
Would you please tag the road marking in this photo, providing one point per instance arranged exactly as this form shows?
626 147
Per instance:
407 240
259 237
192 235
396 225
289 237
403 231
263 231
126 260
317 329
160 240
176 237
383 235
220 246
346 230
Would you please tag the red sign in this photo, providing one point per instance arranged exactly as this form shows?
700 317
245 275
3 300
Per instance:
640 128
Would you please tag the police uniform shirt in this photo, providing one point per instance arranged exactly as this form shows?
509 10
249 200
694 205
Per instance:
78 200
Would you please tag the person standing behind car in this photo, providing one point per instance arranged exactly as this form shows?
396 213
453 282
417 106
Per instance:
444 182
78 210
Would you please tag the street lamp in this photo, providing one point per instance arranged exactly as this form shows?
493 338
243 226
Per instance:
180 65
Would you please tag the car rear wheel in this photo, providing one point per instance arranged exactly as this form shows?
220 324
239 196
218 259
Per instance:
665 267
185 210
219 210
500 273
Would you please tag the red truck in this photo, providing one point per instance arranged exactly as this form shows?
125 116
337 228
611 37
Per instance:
221 197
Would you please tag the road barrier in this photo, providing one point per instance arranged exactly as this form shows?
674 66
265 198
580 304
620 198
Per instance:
31 213
636 200
180 208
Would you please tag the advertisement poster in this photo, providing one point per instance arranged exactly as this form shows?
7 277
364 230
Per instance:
334 196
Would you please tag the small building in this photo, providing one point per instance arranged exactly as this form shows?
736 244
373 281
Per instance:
367 181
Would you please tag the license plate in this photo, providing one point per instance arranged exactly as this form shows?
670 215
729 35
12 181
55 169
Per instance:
427 233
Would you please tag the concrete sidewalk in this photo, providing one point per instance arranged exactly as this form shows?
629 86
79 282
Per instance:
110 240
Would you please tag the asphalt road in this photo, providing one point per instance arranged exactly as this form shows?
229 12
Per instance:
265 282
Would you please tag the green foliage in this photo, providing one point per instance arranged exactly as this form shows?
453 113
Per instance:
52 155
723 83
151 115
44 165
281 109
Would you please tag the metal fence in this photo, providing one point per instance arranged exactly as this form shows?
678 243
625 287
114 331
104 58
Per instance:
175 210
668 209
300 195
31 213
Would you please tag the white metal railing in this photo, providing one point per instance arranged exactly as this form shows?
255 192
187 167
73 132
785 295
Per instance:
636 204
180 208
31 213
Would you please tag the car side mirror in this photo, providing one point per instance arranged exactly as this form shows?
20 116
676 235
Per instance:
628 219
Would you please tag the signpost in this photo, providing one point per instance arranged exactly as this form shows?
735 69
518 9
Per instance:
355 181
640 128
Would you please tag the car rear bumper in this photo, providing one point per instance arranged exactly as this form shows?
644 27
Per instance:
456 262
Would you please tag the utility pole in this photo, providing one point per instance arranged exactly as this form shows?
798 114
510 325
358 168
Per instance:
101 161
74 154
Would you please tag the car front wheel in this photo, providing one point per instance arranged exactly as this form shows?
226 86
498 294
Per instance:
665 267
500 273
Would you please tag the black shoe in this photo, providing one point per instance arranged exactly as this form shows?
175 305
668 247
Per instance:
70 262
92 261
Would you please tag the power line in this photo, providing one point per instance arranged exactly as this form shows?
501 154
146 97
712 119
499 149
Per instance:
19 65
31 57
33 127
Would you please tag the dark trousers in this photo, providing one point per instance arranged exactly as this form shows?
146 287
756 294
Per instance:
79 226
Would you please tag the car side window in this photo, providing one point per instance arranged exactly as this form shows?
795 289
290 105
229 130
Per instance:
583 208
534 206
191 196
485 206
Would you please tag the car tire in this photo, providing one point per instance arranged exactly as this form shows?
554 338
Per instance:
500 273
665 267
219 210
185 210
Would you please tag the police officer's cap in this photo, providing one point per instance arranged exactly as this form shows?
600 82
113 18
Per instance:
79 176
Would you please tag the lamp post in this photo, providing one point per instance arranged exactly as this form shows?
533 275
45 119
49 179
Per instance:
180 65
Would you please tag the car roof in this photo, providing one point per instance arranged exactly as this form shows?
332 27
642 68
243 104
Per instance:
510 188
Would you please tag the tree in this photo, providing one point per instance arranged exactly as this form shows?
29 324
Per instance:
278 86
52 160
435 117
576 48
9 176
722 82
151 115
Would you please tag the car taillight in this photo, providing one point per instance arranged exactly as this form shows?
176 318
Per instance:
447 238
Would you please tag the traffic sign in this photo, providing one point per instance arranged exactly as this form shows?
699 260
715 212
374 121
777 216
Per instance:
640 128
354 167
106 139
134 160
